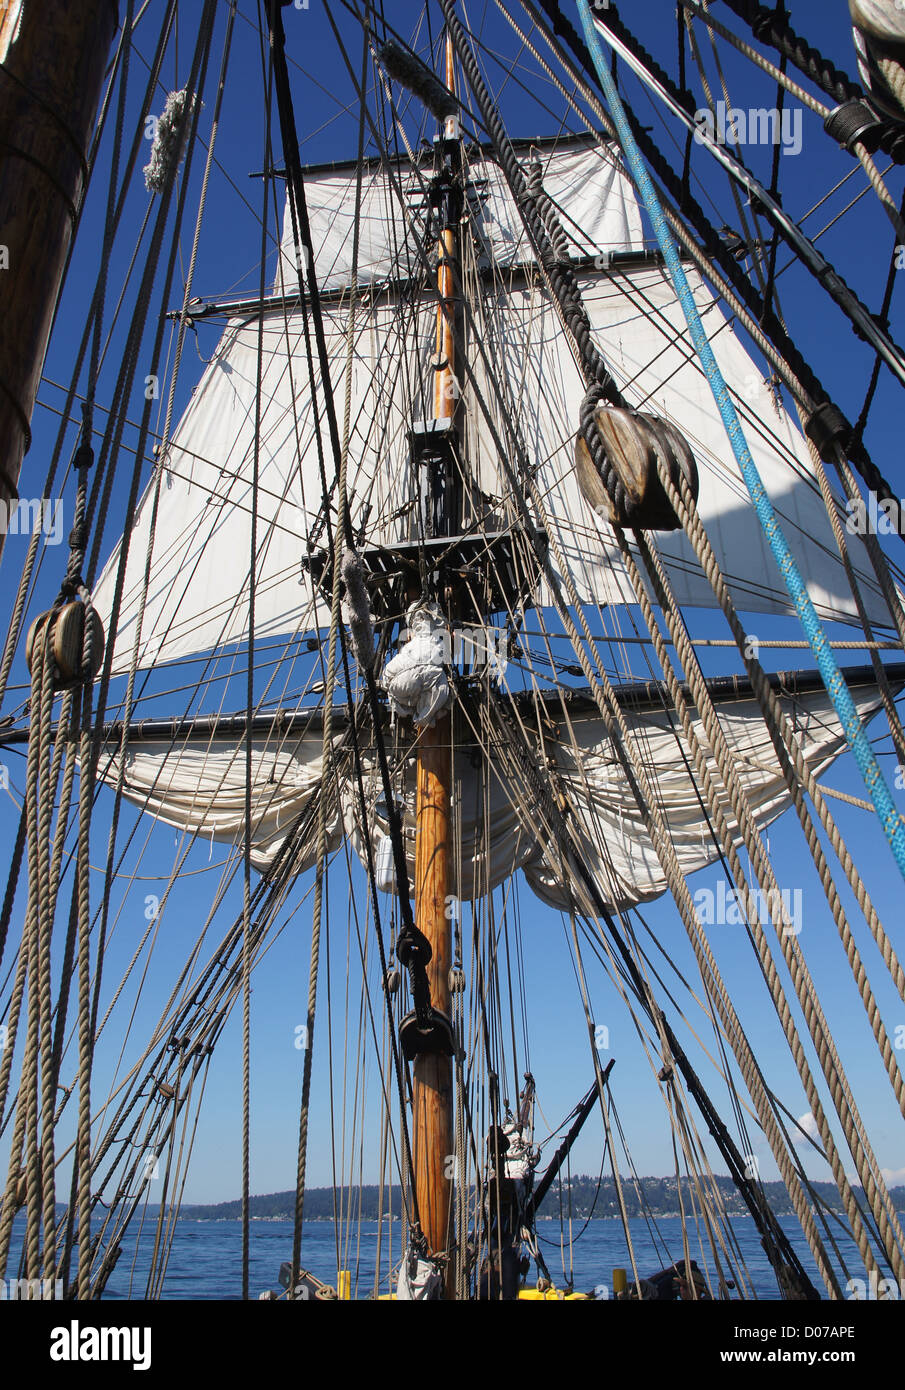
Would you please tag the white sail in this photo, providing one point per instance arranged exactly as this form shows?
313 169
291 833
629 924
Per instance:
198 586
640 328
614 844
199 786
594 198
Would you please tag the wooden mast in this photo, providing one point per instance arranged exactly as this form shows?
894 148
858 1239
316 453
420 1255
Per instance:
52 62
432 1072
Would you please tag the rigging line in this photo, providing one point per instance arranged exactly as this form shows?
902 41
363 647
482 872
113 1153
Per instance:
90 741
736 196
836 687
272 893
524 86
603 951
815 262
827 226
608 711
790 644
832 506
774 179
673 1043
778 74
156 81
128 698
173 875
268 79
777 33
800 975
861 422
163 1048
687 348
801 379
299 211
767 433
26 577
872 548
122 856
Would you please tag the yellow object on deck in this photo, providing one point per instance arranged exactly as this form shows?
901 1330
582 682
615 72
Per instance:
620 1282
344 1285
550 1296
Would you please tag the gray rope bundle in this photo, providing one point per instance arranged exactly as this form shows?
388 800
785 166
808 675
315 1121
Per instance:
166 150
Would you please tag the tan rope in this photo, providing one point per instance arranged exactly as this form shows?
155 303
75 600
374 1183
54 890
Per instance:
617 730
787 743
766 878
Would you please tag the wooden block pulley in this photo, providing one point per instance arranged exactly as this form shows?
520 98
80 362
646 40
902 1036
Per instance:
67 643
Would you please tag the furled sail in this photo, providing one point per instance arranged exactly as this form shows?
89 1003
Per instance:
199 786
614 844
198 505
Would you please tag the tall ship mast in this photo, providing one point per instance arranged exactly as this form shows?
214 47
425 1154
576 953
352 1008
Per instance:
450 693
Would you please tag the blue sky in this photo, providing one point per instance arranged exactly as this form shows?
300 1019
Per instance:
860 244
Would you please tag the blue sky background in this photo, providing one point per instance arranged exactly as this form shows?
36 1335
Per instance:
860 244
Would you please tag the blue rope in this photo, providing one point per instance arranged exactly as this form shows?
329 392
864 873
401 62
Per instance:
832 677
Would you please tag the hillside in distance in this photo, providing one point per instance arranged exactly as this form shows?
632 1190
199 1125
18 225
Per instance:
580 1198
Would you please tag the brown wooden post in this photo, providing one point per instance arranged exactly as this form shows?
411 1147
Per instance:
52 61
432 1073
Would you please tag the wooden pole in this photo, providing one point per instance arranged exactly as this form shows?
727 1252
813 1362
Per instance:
52 62
433 1145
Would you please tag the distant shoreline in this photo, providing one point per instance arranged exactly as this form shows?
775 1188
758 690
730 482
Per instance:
583 1198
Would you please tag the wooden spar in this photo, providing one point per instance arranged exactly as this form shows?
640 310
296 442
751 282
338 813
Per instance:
52 62
432 1090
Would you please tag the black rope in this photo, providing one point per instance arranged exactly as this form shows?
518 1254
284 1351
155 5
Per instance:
776 1244
714 246
773 28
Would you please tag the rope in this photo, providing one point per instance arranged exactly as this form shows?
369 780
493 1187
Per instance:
857 739
762 319
772 27
801 978
693 7
560 831
618 732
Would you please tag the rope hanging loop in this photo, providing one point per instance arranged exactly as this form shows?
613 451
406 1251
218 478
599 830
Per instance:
76 643
616 454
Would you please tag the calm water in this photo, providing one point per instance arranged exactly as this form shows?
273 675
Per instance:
206 1257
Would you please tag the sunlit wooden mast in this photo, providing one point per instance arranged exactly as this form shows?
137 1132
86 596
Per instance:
432 1072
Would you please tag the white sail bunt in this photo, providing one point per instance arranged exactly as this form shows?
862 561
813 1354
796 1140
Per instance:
614 843
198 574
199 787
